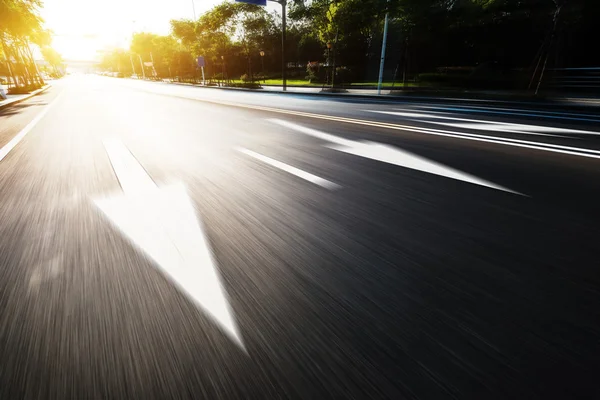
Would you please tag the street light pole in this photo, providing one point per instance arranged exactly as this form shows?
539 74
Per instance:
262 61
328 61
142 65
223 69
283 74
153 69
383 45
132 67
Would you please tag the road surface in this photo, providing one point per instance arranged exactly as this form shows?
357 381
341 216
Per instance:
164 241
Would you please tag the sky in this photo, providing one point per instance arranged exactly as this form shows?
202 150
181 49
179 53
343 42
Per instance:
82 28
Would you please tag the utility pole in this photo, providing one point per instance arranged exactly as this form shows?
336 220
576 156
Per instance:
283 72
383 45
194 9
153 69
333 62
142 65
131 59
552 37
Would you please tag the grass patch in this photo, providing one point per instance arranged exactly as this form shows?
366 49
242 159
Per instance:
302 82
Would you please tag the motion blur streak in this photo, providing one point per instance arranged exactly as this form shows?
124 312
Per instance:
235 272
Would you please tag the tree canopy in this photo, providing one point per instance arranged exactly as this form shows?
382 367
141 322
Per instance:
21 26
424 36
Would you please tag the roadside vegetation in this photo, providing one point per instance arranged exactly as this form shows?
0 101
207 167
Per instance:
21 31
473 44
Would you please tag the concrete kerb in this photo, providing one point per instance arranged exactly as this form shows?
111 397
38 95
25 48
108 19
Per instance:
26 97
391 97
547 101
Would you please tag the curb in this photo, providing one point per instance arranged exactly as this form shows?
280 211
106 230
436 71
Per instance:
540 101
324 94
390 97
26 97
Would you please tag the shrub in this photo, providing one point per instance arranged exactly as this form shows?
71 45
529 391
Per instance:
248 85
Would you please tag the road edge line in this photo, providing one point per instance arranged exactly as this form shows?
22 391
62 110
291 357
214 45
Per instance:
12 143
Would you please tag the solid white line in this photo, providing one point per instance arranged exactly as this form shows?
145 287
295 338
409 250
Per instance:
487 124
292 170
313 132
130 173
19 136
555 148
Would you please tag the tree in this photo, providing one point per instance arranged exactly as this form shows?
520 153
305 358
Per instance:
231 33
20 24
53 58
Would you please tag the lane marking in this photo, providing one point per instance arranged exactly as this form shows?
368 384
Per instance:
519 112
574 151
391 155
132 177
481 124
292 170
19 136
162 222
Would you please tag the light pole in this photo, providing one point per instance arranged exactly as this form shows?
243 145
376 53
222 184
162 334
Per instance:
283 74
262 61
329 47
383 45
142 65
154 75
223 68
132 66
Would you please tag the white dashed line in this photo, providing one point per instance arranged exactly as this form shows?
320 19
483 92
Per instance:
291 170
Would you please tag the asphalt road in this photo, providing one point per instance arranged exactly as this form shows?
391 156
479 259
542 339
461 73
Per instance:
365 249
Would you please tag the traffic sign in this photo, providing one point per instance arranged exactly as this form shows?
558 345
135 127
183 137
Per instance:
201 63
257 2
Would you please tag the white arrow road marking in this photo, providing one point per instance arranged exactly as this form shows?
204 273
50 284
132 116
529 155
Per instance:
480 124
391 155
163 223
292 170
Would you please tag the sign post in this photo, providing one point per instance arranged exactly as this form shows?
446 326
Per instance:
283 23
201 64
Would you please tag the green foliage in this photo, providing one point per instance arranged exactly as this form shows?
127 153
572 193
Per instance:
51 56
21 25
423 35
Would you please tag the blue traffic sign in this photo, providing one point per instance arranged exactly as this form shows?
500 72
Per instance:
201 62
257 2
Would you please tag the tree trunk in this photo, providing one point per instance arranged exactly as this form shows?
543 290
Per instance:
25 76
37 71
7 55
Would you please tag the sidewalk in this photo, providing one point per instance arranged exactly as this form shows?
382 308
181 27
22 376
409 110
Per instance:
17 98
